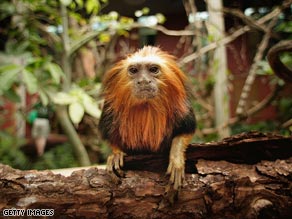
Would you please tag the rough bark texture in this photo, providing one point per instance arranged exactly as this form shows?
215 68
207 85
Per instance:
244 176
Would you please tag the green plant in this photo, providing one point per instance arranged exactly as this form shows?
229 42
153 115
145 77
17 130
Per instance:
10 153
39 49
61 156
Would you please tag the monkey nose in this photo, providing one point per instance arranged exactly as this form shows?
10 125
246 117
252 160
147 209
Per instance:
144 82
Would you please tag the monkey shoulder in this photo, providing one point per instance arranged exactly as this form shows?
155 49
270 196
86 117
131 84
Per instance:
185 124
106 121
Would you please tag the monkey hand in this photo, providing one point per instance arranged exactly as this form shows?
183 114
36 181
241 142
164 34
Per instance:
176 170
114 164
176 166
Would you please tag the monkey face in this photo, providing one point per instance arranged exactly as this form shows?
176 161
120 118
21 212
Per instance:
144 78
148 75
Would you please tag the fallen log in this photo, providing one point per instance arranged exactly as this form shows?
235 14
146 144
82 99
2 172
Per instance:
244 176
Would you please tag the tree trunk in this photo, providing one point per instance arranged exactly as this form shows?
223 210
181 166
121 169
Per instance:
219 66
61 111
66 124
244 176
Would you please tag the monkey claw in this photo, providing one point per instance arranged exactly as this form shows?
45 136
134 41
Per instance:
177 175
114 163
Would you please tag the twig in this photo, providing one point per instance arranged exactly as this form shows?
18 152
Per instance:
249 21
229 38
257 108
287 123
252 73
165 30
91 35
281 70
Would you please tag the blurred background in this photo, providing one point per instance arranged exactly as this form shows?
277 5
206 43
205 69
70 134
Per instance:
53 55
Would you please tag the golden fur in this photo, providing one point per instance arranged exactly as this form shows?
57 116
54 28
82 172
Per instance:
144 123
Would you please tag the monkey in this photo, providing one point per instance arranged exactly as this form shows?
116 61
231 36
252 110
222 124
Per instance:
146 109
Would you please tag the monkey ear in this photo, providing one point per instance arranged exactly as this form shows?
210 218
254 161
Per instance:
112 75
177 71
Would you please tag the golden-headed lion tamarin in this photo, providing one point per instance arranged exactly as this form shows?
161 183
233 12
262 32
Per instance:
147 109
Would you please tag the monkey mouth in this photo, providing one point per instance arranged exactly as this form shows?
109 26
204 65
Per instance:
146 93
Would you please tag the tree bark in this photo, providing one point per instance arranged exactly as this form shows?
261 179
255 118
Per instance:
244 176
219 66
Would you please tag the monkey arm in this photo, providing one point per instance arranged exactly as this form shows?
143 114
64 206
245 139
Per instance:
183 133
116 160
176 166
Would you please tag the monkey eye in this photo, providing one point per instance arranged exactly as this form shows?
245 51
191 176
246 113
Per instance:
133 70
154 69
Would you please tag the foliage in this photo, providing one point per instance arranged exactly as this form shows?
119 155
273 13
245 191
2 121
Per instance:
38 75
10 152
34 50
263 126
35 55
79 102
61 156
285 108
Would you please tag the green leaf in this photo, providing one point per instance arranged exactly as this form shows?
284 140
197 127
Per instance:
30 81
44 98
76 112
63 98
285 27
104 37
55 71
8 75
114 15
79 3
12 95
66 2
161 18
145 10
92 6
138 13
91 106
7 9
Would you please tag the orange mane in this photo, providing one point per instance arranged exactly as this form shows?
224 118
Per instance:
143 124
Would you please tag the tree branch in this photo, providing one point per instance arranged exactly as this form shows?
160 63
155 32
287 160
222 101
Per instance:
250 112
252 72
276 64
229 38
61 111
245 176
250 22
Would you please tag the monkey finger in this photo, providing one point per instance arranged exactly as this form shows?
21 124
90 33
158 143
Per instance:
178 179
109 164
169 168
176 176
122 154
170 171
118 162
111 171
